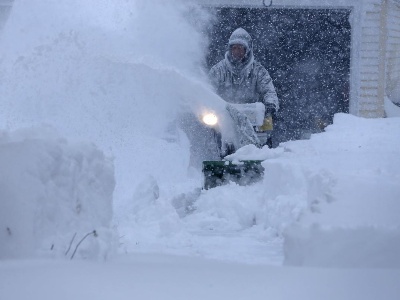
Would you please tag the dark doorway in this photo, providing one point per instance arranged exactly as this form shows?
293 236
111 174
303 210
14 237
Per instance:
4 12
307 53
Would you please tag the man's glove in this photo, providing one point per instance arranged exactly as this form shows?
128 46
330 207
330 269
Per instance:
268 119
270 109
267 124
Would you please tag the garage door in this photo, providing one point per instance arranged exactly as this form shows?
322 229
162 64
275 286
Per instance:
307 53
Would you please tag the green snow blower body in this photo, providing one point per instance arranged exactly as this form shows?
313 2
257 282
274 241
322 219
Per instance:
218 173
248 122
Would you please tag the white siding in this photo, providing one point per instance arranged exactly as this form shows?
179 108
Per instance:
379 58
5 7
369 60
393 49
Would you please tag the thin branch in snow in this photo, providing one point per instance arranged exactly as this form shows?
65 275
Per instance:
70 244
76 248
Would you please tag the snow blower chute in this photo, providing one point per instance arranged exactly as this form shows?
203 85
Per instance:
250 127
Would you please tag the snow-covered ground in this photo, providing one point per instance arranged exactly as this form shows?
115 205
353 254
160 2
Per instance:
326 196
169 277
322 224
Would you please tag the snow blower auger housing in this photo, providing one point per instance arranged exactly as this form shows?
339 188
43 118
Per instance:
249 122
218 173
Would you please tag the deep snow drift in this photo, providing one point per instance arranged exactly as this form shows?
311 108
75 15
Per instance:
117 74
53 193
325 196
113 73
360 226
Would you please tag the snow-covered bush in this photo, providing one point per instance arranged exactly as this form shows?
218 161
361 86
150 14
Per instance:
52 193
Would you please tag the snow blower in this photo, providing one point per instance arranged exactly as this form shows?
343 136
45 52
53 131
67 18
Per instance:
250 127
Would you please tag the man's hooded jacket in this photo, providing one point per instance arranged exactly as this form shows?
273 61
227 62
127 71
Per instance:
245 81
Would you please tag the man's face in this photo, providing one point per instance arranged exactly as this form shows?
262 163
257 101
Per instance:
238 51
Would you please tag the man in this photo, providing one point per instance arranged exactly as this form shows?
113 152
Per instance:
238 78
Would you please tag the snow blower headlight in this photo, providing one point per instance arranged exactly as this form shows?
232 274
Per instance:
210 119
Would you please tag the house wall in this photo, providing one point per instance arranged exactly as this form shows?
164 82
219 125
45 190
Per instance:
393 51
372 59
375 65
379 55
5 7
375 54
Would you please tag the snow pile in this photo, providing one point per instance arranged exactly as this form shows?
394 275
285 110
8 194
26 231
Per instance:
331 200
51 191
119 75
229 222
246 223
272 204
361 227
114 73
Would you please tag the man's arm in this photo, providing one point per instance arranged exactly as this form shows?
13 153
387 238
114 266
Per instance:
215 76
266 89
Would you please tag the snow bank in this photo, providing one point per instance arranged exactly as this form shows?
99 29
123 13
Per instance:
286 191
117 74
231 222
51 191
332 199
360 227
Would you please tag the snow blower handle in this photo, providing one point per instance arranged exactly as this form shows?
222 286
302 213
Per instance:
268 124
